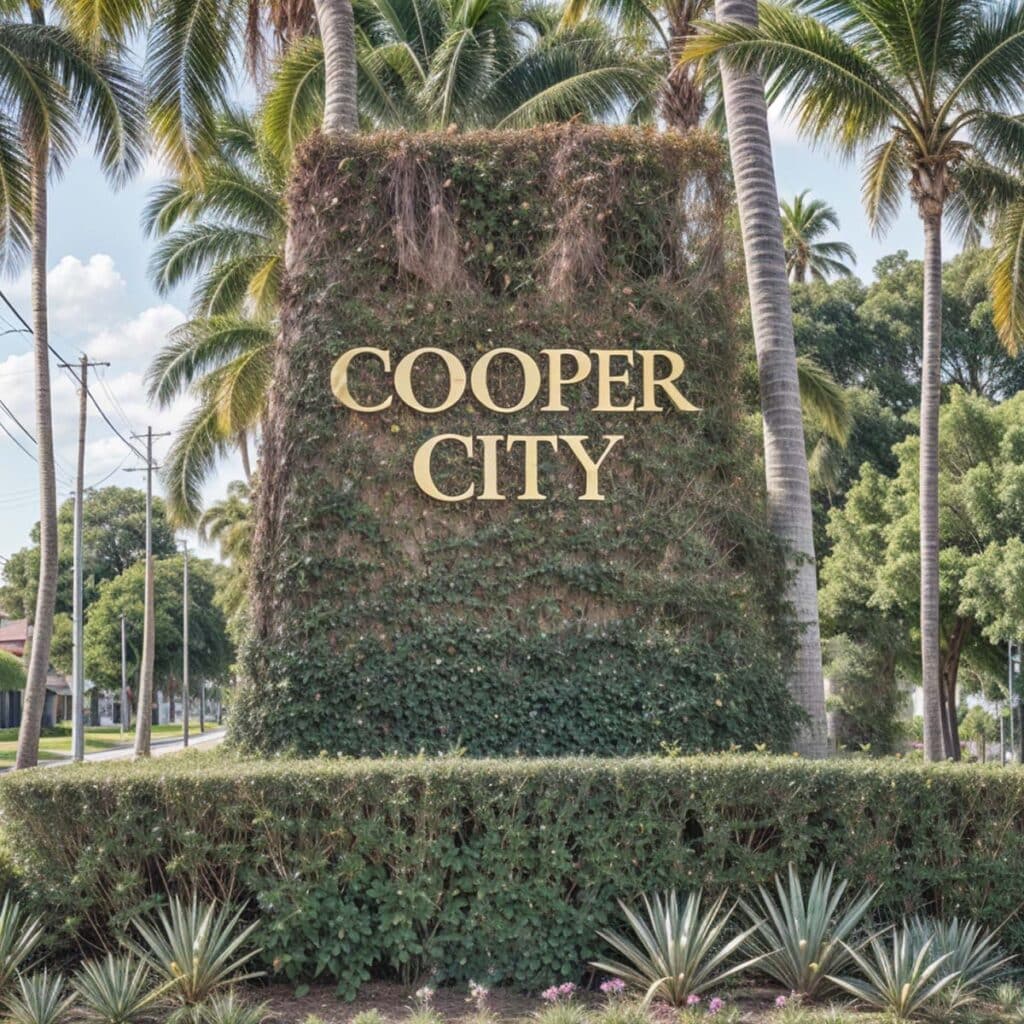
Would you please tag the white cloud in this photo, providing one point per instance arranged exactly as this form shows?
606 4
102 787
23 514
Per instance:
137 339
82 296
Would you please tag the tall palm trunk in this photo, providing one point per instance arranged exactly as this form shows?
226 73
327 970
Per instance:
785 456
42 628
337 29
681 103
938 740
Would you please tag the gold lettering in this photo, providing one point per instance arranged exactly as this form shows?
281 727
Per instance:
489 443
605 379
648 357
456 379
339 378
590 466
481 389
422 473
555 378
531 443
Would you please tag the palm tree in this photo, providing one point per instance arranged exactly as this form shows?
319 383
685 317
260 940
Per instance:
54 86
930 93
496 63
785 455
804 222
229 523
226 228
665 26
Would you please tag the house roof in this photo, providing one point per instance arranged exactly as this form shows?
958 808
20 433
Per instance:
15 632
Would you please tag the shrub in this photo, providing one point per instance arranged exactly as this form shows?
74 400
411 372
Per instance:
20 937
456 869
897 975
38 999
802 939
115 990
675 950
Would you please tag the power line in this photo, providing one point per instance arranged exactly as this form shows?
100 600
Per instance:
7 409
60 359
31 455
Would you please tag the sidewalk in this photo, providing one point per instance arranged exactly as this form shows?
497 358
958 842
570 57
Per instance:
159 748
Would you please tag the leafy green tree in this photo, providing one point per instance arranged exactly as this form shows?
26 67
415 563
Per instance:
210 651
501 63
805 222
931 94
869 581
12 672
981 727
113 538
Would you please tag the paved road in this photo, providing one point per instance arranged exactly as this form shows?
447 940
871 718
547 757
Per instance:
197 740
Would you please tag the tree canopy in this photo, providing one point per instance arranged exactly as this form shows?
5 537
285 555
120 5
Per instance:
12 672
113 538
210 651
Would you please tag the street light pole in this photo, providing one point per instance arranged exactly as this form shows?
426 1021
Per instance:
125 710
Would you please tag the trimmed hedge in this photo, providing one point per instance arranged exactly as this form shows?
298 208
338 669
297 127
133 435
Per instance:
494 870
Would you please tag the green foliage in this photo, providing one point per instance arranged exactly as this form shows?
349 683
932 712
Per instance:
870 580
229 1008
804 223
457 869
972 953
209 648
12 672
981 726
115 990
38 999
113 538
20 937
675 950
197 948
802 939
508 627
898 975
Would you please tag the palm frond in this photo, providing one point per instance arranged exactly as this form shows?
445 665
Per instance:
1007 282
824 399
294 102
883 183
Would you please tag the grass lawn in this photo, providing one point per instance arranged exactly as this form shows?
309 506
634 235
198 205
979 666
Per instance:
56 742
380 1003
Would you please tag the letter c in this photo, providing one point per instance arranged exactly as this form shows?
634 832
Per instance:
421 467
339 379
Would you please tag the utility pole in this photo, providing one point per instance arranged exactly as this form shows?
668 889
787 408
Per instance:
125 709
144 718
186 693
77 611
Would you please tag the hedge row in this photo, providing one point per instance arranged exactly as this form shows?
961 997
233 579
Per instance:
492 870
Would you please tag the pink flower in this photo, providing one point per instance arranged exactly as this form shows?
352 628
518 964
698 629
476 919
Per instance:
780 1002
613 987
567 989
715 1005
550 995
692 1000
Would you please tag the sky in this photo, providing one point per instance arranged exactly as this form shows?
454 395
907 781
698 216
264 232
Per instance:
103 304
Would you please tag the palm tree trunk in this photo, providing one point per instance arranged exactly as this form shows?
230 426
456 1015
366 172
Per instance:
42 627
785 455
243 450
937 741
337 29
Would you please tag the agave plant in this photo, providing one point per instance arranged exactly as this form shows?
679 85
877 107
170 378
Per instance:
19 937
115 990
38 999
801 939
678 950
196 948
971 951
229 1008
900 976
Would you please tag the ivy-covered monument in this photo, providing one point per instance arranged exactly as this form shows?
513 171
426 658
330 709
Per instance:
510 501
